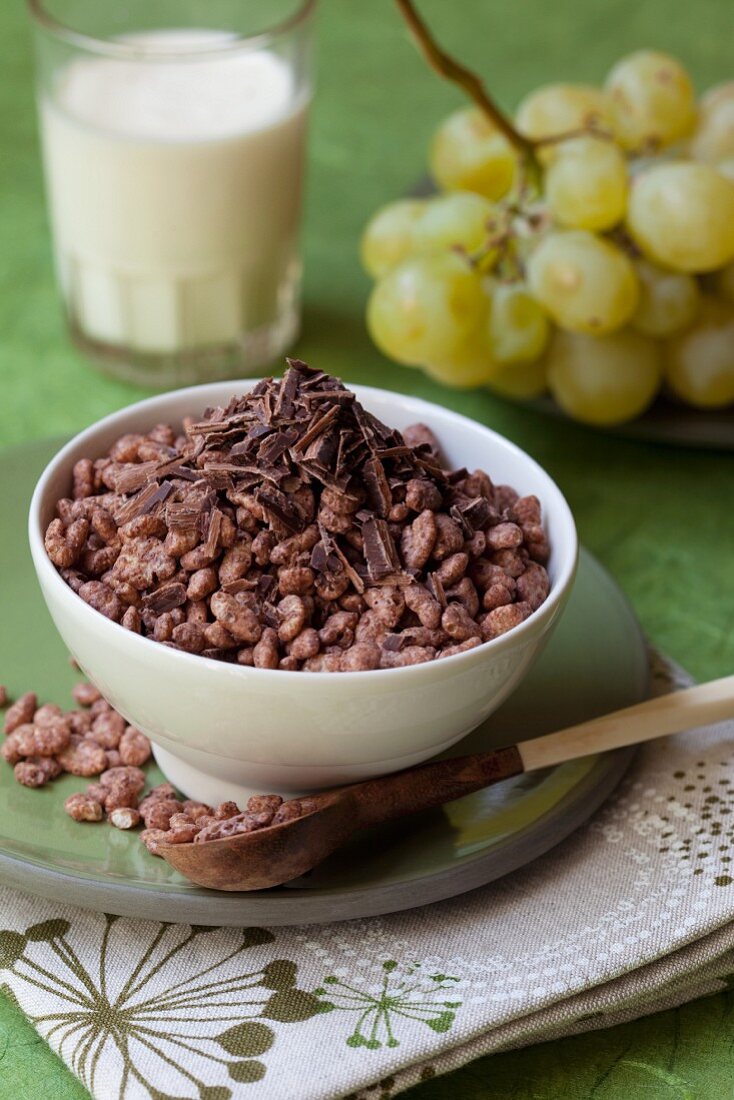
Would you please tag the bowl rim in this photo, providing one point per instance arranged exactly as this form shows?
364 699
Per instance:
539 618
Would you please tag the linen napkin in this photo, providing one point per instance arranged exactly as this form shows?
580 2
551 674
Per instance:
633 914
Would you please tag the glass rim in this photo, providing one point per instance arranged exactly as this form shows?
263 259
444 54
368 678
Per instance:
121 49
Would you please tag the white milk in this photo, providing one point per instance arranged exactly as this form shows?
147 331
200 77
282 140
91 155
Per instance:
175 189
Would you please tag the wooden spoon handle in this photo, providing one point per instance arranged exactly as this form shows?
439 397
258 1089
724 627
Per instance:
440 781
432 784
680 710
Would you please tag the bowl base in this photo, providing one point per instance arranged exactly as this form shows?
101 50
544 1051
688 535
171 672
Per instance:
211 789
287 780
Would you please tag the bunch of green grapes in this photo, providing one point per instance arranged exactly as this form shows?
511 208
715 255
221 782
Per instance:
601 268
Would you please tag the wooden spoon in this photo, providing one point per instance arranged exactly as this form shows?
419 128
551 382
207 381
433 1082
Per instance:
270 856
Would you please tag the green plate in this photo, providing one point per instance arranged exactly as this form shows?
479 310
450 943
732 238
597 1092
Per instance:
595 662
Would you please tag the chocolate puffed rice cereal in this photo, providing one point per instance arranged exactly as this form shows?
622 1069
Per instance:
293 530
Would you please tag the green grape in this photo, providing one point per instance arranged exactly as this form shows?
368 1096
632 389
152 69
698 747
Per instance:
556 109
584 282
469 154
518 325
668 303
520 381
586 184
681 214
653 98
726 168
457 219
713 138
699 363
426 308
388 235
471 365
603 380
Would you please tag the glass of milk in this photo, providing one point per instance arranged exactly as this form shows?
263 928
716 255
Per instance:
173 136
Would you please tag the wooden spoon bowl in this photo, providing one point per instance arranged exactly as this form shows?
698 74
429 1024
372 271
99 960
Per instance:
266 857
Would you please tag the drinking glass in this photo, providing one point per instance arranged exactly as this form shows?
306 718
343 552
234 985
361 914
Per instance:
173 135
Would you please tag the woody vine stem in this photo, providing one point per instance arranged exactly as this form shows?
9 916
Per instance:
450 69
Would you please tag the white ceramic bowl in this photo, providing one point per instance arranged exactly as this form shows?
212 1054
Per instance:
223 731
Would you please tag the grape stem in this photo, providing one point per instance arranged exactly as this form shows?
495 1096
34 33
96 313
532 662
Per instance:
591 131
450 69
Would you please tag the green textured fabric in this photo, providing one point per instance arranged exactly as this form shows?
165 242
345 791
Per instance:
659 518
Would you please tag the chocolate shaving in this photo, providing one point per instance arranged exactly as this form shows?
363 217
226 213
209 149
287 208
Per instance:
364 426
146 501
312 376
434 585
458 516
181 516
247 445
378 490
242 484
184 472
333 550
278 506
431 468
479 513
215 526
318 427
166 598
253 474
209 427
233 468
394 452
276 444
340 397
379 549
285 404
320 558
218 480
161 494
302 367
134 476
341 454
322 474
265 583
323 449
350 570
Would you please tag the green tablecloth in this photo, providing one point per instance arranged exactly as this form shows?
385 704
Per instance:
661 519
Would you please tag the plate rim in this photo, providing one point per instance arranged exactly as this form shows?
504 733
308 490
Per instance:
351 903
